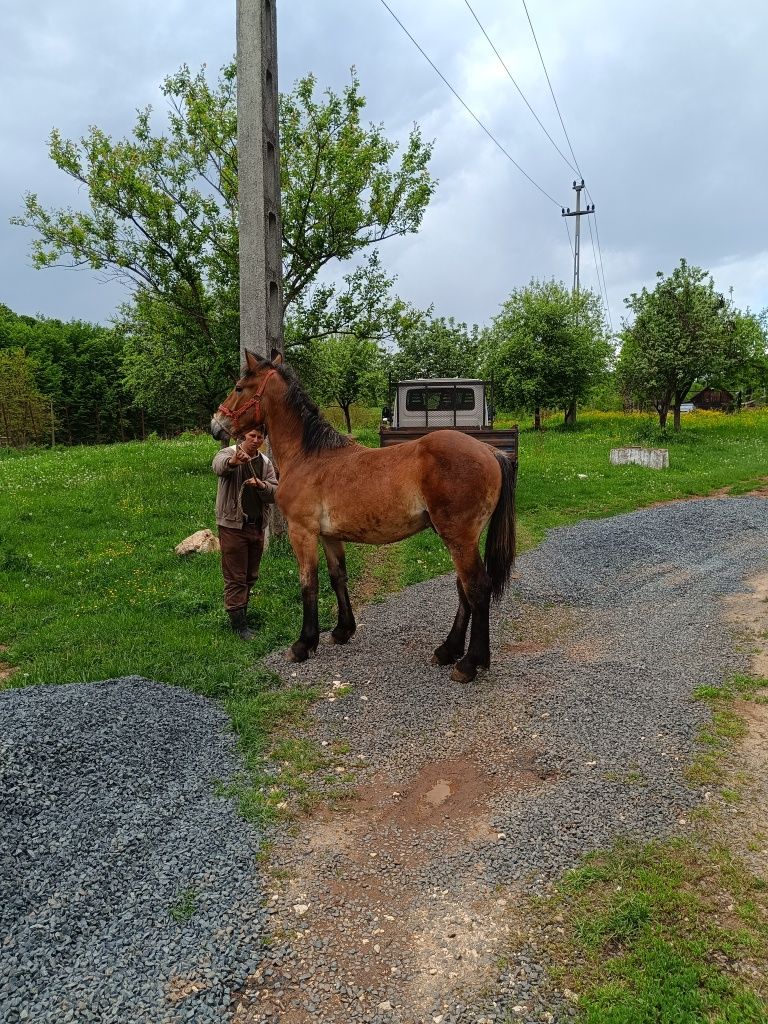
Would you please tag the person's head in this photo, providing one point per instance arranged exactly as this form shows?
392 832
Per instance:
254 438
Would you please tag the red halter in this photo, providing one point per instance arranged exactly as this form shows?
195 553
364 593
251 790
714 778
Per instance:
236 415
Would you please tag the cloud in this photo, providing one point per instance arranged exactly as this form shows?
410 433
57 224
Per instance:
663 104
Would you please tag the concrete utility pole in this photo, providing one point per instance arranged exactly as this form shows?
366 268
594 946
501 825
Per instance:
578 213
258 173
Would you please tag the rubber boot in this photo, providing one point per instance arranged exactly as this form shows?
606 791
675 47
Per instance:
239 625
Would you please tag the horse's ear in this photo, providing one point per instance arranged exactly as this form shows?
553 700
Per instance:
277 357
251 361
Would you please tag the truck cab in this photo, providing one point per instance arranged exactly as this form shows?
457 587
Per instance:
447 402
421 405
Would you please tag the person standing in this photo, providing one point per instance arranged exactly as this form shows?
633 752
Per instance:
247 484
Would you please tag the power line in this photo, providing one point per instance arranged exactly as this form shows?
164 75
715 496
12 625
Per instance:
490 135
568 232
567 138
600 285
522 94
605 286
549 83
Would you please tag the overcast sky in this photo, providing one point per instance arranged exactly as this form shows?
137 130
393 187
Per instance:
664 103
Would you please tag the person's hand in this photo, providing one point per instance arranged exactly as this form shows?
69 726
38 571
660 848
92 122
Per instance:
240 456
255 482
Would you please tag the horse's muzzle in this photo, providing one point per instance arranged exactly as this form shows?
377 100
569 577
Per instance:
219 430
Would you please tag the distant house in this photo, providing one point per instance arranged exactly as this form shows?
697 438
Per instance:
714 398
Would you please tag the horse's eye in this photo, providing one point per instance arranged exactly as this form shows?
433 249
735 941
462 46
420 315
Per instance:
238 389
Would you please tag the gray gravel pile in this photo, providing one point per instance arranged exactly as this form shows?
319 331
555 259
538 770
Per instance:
108 822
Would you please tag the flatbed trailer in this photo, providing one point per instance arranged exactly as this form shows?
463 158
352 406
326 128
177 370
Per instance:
506 439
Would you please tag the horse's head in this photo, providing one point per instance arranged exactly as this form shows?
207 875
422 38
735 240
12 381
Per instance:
243 408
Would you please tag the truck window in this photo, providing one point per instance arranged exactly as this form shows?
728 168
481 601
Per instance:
439 399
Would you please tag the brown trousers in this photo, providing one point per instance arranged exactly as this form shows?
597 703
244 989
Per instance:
241 552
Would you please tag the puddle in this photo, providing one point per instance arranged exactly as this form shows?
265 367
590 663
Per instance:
439 793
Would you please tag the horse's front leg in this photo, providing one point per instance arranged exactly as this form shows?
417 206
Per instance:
304 544
337 570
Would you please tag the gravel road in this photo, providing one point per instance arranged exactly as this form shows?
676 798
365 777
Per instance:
110 819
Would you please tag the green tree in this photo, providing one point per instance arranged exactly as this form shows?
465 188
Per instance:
436 347
682 332
345 370
77 366
163 218
749 376
25 413
547 348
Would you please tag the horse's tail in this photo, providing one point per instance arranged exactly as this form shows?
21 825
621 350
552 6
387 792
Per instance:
500 542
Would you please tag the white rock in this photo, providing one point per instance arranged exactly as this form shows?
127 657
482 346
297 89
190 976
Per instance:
300 908
199 543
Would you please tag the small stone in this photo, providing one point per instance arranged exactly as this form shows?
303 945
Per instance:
300 908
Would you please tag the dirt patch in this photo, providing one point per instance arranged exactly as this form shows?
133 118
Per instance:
536 629
358 907
178 989
748 612
6 670
746 822
721 492
570 631
380 577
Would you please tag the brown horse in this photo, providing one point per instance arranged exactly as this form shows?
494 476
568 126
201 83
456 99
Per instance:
336 490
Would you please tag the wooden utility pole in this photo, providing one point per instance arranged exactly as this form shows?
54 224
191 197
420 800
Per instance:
258 173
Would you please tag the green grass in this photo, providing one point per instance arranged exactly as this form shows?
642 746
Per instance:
93 590
725 727
676 931
185 906
659 934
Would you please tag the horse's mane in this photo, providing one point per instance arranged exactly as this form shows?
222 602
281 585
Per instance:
317 433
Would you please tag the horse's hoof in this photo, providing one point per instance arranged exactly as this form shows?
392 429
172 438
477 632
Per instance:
463 672
339 638
297 653
443 656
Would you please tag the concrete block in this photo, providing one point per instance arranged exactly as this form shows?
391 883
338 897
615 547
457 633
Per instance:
651 458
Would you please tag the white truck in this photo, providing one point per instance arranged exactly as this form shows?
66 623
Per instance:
449 403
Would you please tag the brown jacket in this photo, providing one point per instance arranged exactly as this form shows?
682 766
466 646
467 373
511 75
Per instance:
229 507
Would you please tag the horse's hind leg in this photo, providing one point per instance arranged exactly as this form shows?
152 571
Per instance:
477 588
453 648
337 570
